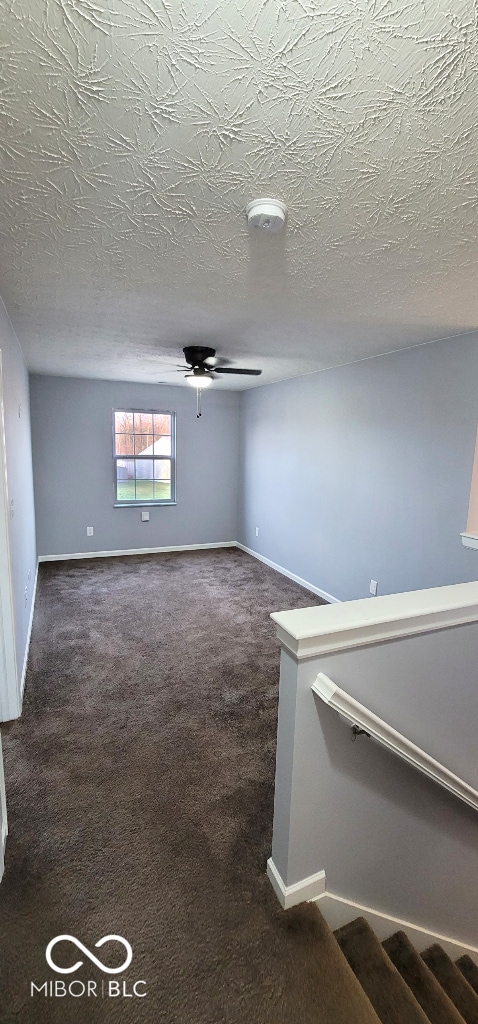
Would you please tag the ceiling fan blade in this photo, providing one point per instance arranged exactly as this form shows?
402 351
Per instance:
230 369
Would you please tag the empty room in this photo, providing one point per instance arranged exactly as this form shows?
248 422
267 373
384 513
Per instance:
238 512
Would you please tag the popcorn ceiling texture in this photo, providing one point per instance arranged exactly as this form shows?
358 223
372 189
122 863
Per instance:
133 133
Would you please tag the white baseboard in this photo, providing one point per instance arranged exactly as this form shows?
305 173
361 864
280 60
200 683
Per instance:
290 575
338 911
290 895
29 634
136 551
194 547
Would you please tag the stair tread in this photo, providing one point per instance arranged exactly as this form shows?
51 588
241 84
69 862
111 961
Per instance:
388 993
469 970
325 980
453 982
420 979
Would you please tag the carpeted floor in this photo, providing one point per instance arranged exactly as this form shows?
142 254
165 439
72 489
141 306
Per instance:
140 793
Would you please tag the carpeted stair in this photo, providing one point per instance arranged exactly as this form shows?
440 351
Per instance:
454 983
470 971
405 987
421 981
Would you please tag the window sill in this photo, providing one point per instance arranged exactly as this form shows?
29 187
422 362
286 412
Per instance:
470 540
142 504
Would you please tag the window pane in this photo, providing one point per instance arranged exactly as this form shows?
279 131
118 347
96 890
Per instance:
162 445
162 479
144 490
124 444
162 469
144 480
162 490
144 469
143 442
124 422
125 483
143 423
162 423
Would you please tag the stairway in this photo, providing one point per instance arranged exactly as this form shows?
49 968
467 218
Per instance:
406 987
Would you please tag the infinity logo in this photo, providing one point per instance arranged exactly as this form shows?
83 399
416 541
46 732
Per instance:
101 942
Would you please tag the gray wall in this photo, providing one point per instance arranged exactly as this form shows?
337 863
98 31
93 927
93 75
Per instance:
364 471
19 479
73 470
386 836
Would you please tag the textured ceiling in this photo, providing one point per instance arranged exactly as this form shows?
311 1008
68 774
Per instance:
134 132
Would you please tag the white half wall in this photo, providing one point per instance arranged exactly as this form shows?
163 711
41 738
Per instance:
387 836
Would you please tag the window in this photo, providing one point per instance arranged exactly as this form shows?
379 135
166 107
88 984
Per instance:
144 457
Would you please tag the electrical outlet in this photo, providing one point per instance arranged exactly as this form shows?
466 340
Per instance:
257 531
145 515
373 587
89 531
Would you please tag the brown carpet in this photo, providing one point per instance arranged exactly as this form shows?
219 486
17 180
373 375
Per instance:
425 987
469 970
140 793
453 982
390 996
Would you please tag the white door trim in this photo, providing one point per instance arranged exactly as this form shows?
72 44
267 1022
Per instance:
3 815
10 698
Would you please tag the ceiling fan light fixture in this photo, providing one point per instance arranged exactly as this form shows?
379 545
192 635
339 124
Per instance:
268 215
198 379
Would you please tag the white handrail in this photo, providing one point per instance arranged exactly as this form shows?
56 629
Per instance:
377 729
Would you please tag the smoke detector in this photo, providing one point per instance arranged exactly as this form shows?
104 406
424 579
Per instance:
266 215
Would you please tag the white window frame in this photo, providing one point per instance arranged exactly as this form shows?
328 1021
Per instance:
139 502
470 535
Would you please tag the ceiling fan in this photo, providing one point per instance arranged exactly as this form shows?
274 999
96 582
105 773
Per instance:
203 369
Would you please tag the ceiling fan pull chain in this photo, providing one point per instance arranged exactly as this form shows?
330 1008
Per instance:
198 403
